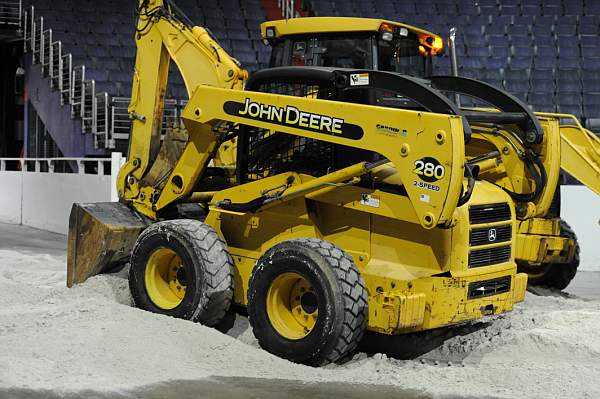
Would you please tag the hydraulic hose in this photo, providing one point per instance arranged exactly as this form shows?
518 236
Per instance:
536 168
466 195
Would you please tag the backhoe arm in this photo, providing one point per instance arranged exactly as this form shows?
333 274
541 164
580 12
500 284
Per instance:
163 34
580 155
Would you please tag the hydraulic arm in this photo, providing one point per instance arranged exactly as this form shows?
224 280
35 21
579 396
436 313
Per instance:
163 33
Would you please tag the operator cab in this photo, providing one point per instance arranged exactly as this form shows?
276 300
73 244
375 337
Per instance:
355 43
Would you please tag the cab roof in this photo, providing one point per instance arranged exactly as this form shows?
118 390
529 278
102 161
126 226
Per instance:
298 26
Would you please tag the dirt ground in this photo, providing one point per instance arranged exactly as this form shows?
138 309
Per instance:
89 342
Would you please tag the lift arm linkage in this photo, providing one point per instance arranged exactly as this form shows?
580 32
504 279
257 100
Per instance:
429 157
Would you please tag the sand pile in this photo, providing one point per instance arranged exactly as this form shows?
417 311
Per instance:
89 337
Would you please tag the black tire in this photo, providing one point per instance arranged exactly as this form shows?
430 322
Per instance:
559 275
340 294
208 269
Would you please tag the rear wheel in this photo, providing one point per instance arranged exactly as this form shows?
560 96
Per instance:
556 275
182 268
307 302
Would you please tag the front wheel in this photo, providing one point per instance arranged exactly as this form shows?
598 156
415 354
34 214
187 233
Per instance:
182 268
307 302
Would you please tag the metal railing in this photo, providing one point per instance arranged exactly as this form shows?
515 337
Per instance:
37 27
46 56
120 125
77 91
288 9
26 32
105 117
56 66
88 102
65 78
99 166
101 122
11 12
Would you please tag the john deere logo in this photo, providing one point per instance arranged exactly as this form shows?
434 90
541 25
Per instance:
293 117
492 235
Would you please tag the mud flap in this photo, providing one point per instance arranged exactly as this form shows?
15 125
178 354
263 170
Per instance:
101 237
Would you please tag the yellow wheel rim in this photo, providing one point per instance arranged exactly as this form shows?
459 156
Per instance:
292 306
165 278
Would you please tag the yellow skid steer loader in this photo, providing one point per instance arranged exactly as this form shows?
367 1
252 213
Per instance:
340 215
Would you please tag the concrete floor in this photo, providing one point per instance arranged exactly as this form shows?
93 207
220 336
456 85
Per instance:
234 388
30 240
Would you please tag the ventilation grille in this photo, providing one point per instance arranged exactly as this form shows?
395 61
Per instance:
489 256
482 289
490 235
489 213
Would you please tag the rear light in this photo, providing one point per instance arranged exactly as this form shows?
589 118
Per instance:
431 45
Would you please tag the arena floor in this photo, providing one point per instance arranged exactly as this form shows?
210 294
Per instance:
89 342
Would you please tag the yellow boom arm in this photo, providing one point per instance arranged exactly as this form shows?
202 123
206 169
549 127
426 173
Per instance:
161 36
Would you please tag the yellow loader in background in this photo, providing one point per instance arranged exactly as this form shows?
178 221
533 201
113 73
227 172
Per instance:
340 215
522 154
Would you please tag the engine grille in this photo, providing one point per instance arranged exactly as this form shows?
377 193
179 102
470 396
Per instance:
482 289
489 256
490 235
489 213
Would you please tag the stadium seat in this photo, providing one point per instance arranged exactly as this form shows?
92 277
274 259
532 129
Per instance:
593 124
516 86
542 86
573 7
500 52
522 51
520 62
550 9
541 74
496 64
591 64
545 51
568 51
541 102
520 40
510 10
522 20
515 75
572 86
501 20
565 29
541 29
531 10
568 63
569 98
570 109
518 30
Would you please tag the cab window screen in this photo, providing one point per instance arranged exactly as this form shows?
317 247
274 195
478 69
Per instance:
344 52
401 55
